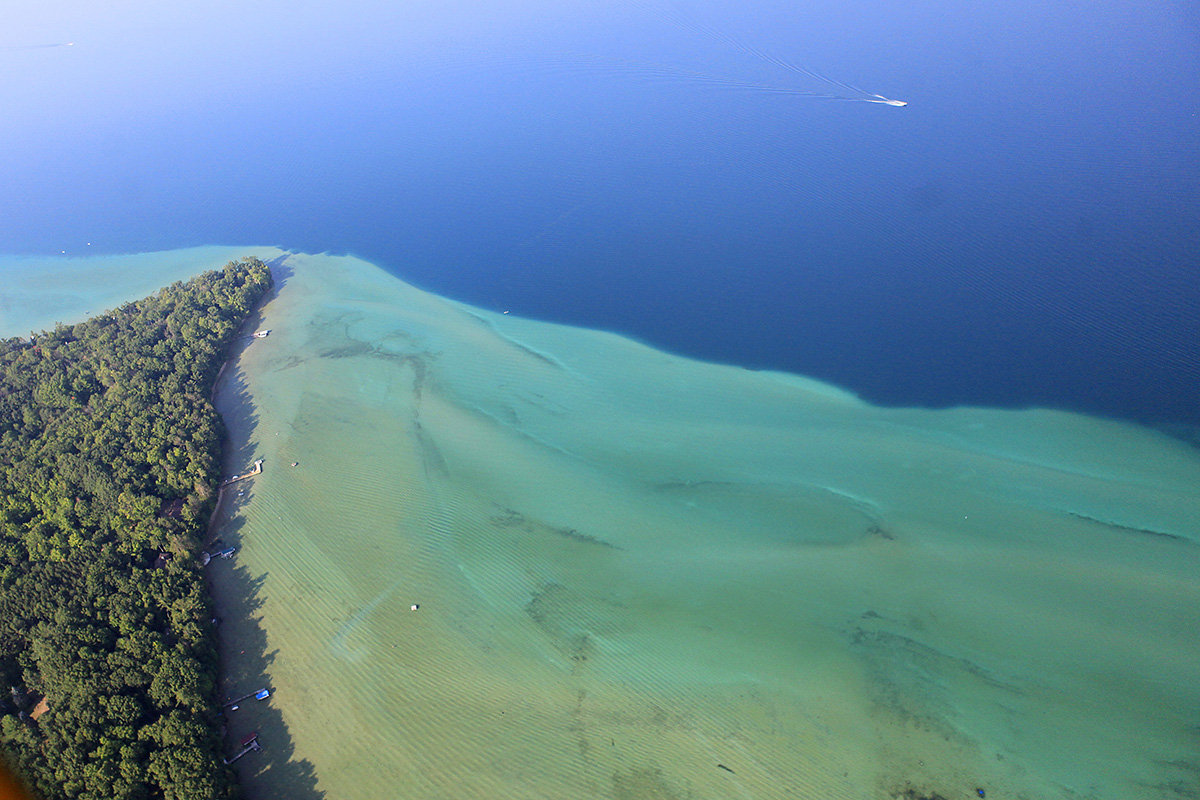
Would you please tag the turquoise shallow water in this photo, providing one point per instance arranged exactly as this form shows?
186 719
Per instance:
640 576
36 292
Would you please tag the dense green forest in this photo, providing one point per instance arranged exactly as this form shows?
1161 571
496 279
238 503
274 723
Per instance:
109 468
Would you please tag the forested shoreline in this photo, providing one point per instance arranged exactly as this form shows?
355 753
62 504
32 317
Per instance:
109 469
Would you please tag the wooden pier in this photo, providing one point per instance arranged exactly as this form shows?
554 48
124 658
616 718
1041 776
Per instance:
261 694
254 745
256 471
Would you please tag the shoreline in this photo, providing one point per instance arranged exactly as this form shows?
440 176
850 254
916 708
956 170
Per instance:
187 326
251 322
237 346
100 283
245 663
212 399
479 530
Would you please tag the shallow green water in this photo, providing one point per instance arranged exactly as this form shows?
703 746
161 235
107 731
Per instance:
646 577
38 291
632 568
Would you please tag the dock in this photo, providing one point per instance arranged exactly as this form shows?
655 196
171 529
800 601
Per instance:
261 694
254 745
256 471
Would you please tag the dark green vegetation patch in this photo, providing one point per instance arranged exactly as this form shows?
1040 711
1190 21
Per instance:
109 468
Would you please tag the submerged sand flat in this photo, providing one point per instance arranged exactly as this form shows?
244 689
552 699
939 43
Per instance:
641 576
38 291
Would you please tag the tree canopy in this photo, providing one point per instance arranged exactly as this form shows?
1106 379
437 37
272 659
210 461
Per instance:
109 469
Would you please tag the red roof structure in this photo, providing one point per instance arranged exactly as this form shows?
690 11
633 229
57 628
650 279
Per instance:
42 707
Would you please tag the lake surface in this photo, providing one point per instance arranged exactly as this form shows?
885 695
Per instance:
492 556
720 430
1023 233
640 576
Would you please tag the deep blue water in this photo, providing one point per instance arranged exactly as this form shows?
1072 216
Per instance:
1024 232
